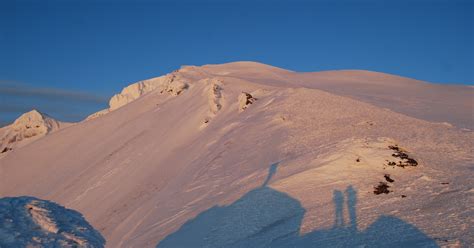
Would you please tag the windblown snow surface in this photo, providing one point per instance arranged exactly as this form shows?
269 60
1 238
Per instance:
249 155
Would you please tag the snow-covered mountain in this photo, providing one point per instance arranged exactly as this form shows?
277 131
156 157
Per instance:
27 128
249 155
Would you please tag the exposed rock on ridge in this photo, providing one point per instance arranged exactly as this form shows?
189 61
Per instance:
245 99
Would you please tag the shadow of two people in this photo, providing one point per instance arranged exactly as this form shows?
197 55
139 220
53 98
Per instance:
265 217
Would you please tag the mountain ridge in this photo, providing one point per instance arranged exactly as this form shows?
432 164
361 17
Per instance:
440 102
162 159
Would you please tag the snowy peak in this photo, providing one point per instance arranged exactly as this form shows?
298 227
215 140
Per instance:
34 123
26 128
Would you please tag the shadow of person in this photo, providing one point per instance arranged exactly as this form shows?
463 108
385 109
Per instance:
264 217
351 207
338 199
251 221
386 231
271 171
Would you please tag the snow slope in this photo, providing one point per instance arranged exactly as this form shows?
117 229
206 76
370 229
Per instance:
271 169
31 222
433 102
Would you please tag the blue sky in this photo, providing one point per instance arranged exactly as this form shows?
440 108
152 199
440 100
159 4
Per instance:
92 49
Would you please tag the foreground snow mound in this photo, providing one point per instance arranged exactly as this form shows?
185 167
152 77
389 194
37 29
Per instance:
31 222
26 128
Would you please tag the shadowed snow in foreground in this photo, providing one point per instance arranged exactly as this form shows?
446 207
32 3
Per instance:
265 217
31 222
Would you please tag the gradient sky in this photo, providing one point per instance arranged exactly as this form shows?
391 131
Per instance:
52 50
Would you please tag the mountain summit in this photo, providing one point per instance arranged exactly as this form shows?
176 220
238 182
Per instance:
249 155
27 128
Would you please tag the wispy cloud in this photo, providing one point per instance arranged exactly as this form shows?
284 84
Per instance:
19 90
67 105
11 108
